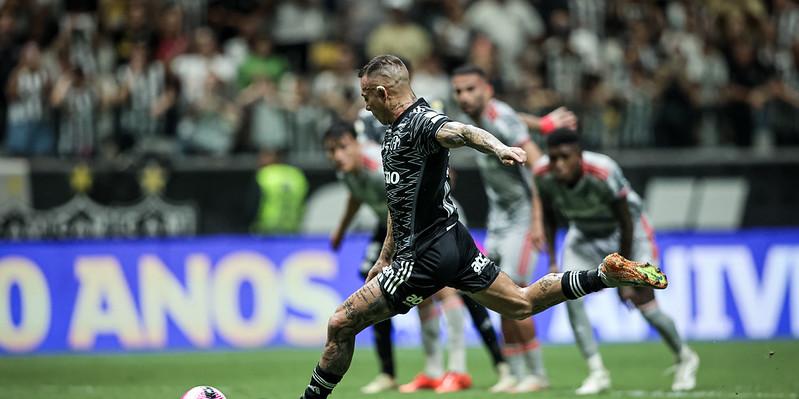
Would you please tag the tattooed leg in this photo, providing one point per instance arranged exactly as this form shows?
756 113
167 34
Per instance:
512 301
365 307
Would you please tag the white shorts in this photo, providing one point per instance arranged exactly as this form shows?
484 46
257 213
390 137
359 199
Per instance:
583 252
512 250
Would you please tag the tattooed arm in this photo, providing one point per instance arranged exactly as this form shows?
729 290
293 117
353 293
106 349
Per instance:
386 254
456 134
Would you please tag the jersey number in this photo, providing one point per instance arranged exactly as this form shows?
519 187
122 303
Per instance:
391 177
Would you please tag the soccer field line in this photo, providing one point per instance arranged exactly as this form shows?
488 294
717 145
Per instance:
703 394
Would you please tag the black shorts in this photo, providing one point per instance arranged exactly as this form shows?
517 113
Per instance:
451 261
373 250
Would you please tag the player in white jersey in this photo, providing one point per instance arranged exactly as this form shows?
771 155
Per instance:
604 215
512 223
426 248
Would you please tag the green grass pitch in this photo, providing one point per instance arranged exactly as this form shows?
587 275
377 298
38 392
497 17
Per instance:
763 369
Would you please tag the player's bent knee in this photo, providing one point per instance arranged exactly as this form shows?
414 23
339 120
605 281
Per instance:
339 323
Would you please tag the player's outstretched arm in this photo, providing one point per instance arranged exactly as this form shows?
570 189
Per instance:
386 253
456 134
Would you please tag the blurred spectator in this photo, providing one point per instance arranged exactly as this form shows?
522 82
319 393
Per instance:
282 192
231 19
399 35
194 12
356 19
593 111
338 88
77 38
710 76
484 54
563 65
452 34
29 129
77 100
638 110
675 124
510 25
264 123
297 24
588 15
204 60
260 62
172 40
746 92
786 22
785 89
143 98
307 119
135 29
9 49
209 124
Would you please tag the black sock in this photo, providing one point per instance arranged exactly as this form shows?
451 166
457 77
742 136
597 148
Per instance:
322 383
385 352
576 284
483 325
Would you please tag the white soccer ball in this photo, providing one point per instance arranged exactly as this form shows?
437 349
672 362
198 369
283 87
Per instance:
203 392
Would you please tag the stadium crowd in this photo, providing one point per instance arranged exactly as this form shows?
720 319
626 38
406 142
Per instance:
96 78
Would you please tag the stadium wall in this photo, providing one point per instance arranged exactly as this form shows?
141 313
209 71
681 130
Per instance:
236 292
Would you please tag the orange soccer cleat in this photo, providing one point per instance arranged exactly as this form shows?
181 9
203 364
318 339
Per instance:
616 271
454 382
420 382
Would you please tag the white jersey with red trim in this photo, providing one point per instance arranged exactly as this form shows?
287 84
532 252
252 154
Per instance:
588 205
507 188
367 185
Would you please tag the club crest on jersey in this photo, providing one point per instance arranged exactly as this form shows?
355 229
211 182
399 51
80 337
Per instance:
479 263
393 144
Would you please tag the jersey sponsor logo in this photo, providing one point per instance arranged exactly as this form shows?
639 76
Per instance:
391 177
393 144
413 300
479 263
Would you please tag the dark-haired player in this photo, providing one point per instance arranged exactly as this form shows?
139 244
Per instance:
359 167
514 220
604 215
426 248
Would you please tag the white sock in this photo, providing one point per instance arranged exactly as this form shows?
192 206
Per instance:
430 342
453 312
595 363
513 353
533 358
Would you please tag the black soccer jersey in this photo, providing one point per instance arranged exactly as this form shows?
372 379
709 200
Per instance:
417 183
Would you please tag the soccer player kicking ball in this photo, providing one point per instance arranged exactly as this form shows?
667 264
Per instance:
604 215
514 219
359 166
426 248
